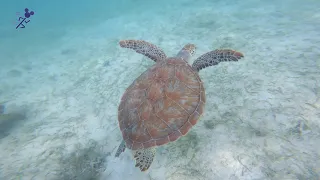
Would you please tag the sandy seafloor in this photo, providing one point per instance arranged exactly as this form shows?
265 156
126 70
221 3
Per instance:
262 116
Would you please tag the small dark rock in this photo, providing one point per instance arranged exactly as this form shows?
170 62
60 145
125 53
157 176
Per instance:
14 73
106 64
68 51
209 124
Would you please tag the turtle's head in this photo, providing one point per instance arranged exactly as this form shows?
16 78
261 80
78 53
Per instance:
187 51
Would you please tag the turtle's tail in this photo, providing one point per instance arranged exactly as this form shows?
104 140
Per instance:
121 148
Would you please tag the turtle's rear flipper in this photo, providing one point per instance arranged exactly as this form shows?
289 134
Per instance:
144 158
215 57
121 148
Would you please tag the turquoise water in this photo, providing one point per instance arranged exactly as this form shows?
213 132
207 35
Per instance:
63 75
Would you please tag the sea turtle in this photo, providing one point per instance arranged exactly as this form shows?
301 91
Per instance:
165 101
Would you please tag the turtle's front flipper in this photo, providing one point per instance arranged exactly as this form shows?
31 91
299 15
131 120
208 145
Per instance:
187 51
144 158
121 148
215 57
145 48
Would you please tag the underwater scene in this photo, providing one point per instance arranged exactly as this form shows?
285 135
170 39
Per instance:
160 90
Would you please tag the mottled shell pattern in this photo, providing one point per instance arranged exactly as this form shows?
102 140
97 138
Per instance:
161 105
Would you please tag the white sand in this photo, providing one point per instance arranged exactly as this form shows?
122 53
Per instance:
263 112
